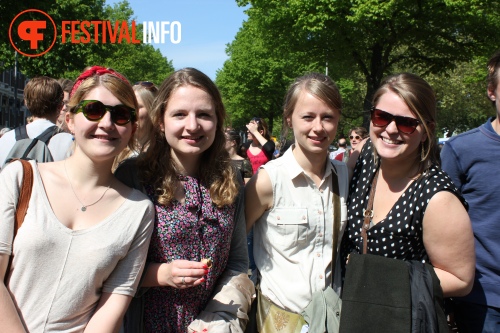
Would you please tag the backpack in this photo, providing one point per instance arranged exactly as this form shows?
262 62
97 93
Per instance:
27 148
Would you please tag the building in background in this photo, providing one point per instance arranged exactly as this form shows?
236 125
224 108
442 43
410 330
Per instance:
12 111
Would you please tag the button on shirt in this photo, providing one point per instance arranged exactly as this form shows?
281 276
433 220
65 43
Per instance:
293 240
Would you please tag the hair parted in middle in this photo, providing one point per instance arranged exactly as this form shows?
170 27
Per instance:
421 100
317 84
215 169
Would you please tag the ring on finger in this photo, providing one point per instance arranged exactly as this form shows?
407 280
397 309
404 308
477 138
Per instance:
184 280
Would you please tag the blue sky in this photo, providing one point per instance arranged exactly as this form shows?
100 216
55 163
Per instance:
207 27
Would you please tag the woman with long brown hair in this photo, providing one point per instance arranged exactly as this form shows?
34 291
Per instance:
199 235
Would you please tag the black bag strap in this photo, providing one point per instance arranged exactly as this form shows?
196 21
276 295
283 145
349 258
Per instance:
336 214
21 133
47 134
44 137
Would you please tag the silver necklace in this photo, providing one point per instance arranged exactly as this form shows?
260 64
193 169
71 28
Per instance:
84 207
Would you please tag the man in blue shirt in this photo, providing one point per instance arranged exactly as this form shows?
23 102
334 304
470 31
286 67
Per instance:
472 160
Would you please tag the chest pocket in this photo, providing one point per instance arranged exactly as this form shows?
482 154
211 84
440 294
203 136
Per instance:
288 226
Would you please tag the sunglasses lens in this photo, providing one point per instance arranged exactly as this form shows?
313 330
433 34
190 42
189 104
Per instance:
121 115
407 125
93 110
380 118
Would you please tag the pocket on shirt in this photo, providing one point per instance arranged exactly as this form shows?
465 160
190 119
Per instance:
288 226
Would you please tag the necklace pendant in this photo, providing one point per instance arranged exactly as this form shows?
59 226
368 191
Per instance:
84 208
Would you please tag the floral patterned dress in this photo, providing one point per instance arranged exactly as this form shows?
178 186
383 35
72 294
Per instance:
192 231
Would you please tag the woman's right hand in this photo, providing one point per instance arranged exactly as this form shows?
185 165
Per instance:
178 274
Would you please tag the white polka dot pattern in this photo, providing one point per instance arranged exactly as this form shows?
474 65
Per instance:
399 234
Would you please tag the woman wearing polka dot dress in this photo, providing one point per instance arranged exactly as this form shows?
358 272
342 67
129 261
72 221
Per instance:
417 213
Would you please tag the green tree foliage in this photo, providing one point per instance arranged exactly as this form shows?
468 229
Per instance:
254 80
375 37
462 99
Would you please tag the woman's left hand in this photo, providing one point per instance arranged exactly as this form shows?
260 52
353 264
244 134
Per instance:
182 274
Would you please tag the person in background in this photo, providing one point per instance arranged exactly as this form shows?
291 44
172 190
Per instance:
4 130
261 148
341 151
43 97
259 152
417 214
80 252
145 92
289 201
356 136
198 243
472 161
233 143
66 85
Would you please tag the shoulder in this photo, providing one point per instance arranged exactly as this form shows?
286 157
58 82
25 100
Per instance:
462 138
128 173
436 181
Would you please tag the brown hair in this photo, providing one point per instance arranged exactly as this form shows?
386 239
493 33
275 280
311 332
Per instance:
43 97
492 78
317 84
421 100
66 84
262 126
159 169
361 131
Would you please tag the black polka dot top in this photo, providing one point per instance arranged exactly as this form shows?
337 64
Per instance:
399 234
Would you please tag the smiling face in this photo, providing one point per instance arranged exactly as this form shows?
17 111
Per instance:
189 123
314 124
101 139
390 143
354 139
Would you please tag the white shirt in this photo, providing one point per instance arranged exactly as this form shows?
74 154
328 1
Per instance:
293 240
59 145
58 274
334 154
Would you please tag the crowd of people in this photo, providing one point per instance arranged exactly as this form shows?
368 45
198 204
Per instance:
147 213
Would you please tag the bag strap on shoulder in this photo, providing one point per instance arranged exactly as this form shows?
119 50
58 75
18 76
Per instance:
21 133
22 203
336 214
47 134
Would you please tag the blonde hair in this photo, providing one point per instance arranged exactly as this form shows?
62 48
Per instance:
118 87
317 84
156 164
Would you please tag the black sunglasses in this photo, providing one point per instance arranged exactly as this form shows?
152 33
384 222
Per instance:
94 111
406 125
147 84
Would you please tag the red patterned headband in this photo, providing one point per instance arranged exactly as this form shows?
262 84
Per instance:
95 70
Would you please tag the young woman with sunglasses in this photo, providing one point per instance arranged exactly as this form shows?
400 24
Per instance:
357 135
289 202
417 212
80 252
198 243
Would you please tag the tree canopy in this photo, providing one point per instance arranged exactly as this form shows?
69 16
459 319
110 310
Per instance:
365 40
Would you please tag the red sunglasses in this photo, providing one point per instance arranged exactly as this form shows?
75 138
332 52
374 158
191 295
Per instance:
406 125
